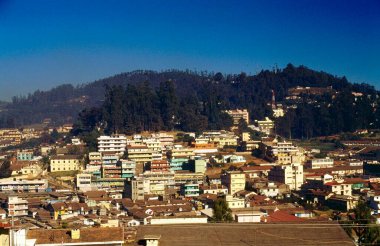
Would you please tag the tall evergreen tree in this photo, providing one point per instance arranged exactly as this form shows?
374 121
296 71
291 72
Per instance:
168 104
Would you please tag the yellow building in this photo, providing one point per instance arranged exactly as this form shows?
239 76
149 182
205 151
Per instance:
234 180
266 126
65 163
139 153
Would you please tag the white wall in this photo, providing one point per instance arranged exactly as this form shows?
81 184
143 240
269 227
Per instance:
166 221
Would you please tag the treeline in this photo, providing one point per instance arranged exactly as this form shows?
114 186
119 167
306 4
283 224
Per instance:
141 107
326 115
194 101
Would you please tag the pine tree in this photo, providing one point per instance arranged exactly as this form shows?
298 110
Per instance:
222 213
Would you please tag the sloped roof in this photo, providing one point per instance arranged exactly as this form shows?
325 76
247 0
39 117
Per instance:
283 216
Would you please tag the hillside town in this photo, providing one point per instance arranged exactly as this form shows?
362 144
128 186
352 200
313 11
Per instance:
138 188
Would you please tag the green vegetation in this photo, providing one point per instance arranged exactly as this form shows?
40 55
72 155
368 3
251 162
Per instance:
5 170
36 142
222 213
323 146
363 227
140 108
190 101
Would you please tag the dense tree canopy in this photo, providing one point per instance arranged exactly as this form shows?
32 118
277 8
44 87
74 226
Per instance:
221 211
195 101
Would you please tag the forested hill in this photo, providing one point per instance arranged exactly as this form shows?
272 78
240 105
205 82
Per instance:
193 101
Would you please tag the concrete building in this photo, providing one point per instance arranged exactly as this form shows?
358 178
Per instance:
178 164
111 171
235 202
154 146
135 189
95 158
159 166
65 163
339 187
320 163
270 189
266 126
139 153
95 163
197 165
290 174
181 178
114 144
150 183
16 206
83 181
190 190
238 114
282 152
179 152
216 189
234 181
36 185
25 155
128 169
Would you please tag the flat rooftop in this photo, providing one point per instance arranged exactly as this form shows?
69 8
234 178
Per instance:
325 233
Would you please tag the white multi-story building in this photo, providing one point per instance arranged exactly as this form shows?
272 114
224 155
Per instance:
36 185
95 163
290 174
284 147
149 183
114 144
95 158
339 187
128 168
83 181
17 206
154 146
320 163
269 190
283 152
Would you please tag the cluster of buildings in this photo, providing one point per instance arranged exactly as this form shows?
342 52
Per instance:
62 194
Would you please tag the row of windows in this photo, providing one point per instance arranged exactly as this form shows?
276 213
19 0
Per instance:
63 169
54 162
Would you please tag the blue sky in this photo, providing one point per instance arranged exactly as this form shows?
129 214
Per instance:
44 43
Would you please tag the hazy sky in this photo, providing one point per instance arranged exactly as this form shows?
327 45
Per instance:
44 43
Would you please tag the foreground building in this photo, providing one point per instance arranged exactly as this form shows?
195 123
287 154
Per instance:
244 234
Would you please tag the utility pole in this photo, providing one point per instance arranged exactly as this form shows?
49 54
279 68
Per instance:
11 232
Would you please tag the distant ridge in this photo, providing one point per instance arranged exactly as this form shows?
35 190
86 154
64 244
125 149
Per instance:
63 103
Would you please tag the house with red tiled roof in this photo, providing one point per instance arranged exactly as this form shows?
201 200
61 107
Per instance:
255 171
281 216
